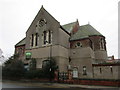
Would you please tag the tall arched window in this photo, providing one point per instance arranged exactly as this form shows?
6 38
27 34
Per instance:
102 44
50 34
34 39
47 37
44 37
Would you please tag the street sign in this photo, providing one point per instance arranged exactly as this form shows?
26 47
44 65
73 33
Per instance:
28 55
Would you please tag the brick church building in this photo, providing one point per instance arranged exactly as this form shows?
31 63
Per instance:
75 47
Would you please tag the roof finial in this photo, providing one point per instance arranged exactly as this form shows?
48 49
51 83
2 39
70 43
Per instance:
88 22
77 20
42 8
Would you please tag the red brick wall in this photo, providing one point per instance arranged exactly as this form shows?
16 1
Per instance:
84 42
96 42
20 50
93 42
93 82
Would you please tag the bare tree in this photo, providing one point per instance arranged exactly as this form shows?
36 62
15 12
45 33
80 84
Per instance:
2 58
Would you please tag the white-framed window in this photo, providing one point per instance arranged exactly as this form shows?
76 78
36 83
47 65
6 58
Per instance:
75 72
34 40
78 44
111 69
47 37
102 44
84 70
44 37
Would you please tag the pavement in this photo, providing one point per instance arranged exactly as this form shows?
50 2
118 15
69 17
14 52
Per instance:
58 85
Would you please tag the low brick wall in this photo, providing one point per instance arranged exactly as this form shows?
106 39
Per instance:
92 82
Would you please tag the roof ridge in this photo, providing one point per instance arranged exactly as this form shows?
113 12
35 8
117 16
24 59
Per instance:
85 25
20 41
69 23
49 13
42 8
85 31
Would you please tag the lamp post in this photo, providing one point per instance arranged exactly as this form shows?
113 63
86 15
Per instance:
50 57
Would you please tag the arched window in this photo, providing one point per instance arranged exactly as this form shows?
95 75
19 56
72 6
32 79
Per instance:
100 70
84 70
47 37
75 72
102 44
44 37
111 69
34 39
45 63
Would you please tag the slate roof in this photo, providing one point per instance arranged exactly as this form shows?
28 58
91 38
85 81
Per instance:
22 42
68 27
84 32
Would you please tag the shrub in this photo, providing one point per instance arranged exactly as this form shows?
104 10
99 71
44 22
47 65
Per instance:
13 69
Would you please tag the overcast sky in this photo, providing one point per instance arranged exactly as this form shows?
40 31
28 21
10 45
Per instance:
17 15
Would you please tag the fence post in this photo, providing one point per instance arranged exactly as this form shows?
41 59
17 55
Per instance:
56 76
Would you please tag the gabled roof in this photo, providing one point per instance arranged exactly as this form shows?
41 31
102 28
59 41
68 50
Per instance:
68 27
22 42
42 9
84 32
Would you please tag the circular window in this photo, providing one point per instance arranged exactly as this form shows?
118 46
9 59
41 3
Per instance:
42 22
79 44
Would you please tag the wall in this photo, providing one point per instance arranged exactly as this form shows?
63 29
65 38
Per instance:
106 71
100 55
60 41
61 55
63 38
85 43
82 57
98 82
20 50
52 24
85 52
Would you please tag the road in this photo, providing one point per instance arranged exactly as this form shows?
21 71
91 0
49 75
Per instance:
8 85
13 86
34 86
